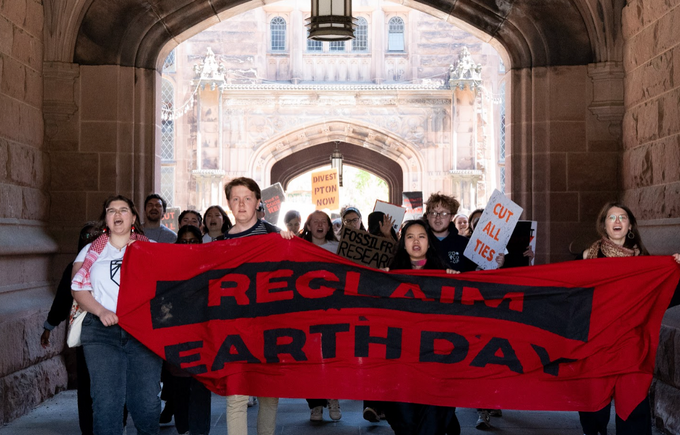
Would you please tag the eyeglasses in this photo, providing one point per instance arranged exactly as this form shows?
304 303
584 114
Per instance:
122 210
189 242
436 214
621 217
352 221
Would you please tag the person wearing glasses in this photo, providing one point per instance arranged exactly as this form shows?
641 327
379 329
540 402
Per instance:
440 210
351 217
617 227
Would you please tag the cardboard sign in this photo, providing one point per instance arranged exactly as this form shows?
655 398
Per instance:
272 197
325 190
493 231
395 211
364 248
413 201
170 218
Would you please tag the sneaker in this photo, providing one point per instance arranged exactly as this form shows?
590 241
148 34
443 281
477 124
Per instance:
483 420
371 415
252 401
496 413
334 409
316 414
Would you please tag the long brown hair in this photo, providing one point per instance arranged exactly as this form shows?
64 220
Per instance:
630 243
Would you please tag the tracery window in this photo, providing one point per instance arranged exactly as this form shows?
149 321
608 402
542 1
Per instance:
278 33
395 34
360 42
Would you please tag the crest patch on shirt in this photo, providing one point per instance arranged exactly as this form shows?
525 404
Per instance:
115 271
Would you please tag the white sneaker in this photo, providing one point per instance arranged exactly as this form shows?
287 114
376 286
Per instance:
316 414
252 401
334 409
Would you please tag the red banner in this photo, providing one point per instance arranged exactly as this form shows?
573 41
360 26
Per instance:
265 316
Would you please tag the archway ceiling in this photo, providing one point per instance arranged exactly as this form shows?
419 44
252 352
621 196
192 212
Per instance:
534 32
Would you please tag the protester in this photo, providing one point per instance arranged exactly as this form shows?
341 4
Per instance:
122 370
381 224
190 217
216 223
472 221
292 219
351 216
60 310
318 229
244 199
154 209
461 224
415 250
439 210
337 226
190 398
620 237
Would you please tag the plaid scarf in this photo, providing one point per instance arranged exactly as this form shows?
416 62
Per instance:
82 279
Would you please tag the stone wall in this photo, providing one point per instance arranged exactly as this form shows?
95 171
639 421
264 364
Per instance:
665 390
651 128
28 373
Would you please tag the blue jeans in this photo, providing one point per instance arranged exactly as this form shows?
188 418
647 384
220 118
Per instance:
122 371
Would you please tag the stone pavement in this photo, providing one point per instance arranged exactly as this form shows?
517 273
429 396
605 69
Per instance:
58 416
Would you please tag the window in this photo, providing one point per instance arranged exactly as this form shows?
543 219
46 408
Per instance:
169 65
313 45
168 184
337 46
360 42
502 181
168 125
278 30
395 34
501 127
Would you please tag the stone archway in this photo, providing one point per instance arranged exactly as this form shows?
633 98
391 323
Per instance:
365 146
295 164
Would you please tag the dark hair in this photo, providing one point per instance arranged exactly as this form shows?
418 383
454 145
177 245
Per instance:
227 222
101 225
292 214
189 229
446 201
156 196
630 243
330 234
186 212
351 209
401 258
245 182
473 219
88 234
374 221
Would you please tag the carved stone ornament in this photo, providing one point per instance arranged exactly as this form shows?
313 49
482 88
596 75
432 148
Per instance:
466 73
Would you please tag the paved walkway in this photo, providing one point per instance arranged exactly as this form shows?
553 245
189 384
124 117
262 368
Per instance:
58 416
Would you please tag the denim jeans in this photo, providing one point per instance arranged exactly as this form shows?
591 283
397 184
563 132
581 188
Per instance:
122 371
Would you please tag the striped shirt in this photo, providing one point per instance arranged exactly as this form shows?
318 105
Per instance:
261 227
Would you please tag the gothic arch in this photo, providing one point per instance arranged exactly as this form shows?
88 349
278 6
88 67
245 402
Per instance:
378 143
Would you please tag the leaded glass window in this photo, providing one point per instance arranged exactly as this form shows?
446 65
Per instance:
168 125
360 42
395 34
278 31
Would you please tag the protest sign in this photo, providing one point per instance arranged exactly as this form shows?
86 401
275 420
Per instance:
256 315
272 197
413 202
396 212
364 248
325 191
171 217
493 231
522 237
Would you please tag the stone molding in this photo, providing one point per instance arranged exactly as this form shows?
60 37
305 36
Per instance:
607 104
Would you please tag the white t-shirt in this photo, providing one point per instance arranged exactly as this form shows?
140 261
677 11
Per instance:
330 246
105 275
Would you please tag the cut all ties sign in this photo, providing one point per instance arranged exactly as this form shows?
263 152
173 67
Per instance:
493 231
325 191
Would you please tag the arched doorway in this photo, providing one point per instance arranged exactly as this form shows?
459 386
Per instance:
298 163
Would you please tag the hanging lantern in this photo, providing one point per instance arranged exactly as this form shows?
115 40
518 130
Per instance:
336 162
331 20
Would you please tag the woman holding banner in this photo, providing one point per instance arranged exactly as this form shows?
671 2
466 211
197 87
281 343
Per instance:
415 250
122 370
617 226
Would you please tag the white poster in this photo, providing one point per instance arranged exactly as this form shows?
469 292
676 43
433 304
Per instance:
493 231
395 211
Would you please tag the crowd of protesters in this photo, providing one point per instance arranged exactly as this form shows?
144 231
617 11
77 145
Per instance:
117 374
